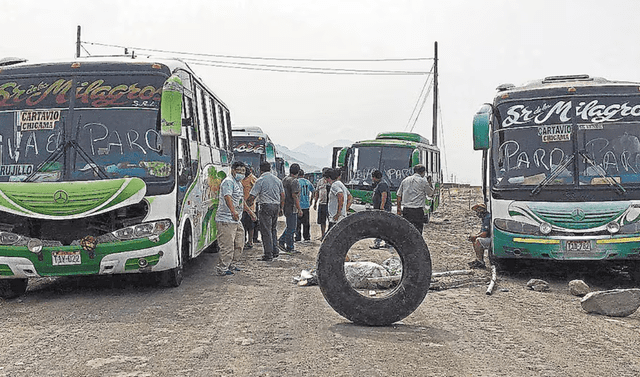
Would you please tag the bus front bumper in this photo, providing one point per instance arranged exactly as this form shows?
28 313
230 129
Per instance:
618 247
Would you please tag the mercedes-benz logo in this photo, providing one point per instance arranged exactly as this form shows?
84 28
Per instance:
60 197
577 214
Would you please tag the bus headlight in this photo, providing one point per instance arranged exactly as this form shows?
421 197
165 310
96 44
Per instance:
545 228
613 227
515 226
151 229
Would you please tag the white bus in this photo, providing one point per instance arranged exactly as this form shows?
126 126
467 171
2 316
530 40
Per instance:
102 171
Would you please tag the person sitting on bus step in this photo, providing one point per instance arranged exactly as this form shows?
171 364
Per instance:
319 201
412 197
249 218
339 198
482 240
269 193
303 227
381 200
291 209
230 230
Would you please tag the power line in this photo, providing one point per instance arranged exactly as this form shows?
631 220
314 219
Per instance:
422 92
299 69
257 57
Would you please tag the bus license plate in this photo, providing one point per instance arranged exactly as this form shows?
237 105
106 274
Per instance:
578 245
66 258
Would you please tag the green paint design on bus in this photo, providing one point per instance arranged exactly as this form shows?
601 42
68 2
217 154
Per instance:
69 198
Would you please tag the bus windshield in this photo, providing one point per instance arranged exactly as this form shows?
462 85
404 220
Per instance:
108 131
551 141
393 162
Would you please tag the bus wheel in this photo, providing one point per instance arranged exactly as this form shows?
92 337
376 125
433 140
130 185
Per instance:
412 250
12 288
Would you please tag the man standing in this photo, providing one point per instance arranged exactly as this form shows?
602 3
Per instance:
291 208
270 194
340 198
381 200
412 197
306 188
230 230
249 217
482 240
320 197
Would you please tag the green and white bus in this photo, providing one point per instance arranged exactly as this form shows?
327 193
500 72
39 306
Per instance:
394 154
561 169
253 147
102 171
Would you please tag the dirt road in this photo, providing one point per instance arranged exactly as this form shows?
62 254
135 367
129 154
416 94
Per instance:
259 323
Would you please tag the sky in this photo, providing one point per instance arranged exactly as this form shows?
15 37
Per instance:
481 44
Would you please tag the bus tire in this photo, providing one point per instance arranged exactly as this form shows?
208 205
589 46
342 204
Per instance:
416 272
12 288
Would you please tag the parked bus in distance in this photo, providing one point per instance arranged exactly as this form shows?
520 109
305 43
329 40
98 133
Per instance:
394 154
252 146
561 164
282 167
313 177
107 166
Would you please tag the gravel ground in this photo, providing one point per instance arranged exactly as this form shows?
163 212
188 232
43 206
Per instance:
260 323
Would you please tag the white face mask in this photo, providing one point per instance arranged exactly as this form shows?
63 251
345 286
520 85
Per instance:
238 177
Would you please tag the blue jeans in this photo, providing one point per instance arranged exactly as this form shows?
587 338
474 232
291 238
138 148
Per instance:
287 236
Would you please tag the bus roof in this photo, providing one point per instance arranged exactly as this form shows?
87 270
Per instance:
561 85
400 139
249 131
16 66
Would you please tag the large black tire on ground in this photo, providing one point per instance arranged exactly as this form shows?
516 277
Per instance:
416 268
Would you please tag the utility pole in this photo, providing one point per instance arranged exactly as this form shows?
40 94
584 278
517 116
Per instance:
78 43
434 131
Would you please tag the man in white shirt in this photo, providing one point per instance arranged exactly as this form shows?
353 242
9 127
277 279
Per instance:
412 197
340 198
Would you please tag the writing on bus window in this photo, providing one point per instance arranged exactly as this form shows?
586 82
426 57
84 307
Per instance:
619 155
512 157
104 141
562 112
93 93
249 148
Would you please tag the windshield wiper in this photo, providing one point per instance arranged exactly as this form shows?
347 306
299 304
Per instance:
554 173
602 173
55 156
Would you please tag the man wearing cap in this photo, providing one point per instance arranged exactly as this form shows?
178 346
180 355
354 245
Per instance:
482 240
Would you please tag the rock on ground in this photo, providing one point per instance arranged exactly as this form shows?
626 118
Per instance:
538 285
613 303
358 272
579 288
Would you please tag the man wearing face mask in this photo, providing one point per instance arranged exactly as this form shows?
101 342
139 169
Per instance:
230 230
482 240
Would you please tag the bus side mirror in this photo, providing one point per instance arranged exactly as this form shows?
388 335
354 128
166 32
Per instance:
171 107
481 126
342 157
415 157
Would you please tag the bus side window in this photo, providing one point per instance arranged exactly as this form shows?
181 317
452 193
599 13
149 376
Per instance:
188 118
184 162
227 136
220 125
203 127
213 127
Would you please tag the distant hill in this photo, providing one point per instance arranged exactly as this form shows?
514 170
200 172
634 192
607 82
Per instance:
311 156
